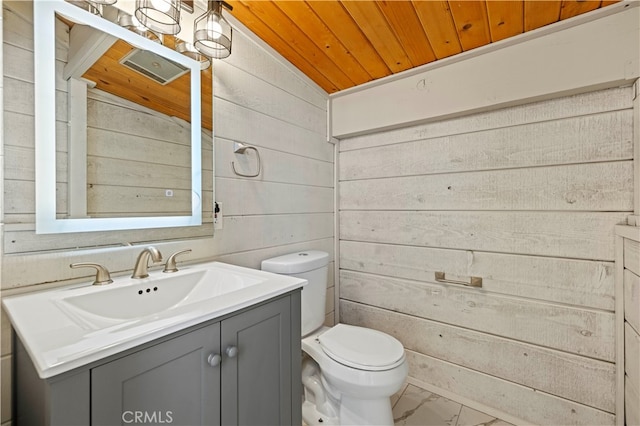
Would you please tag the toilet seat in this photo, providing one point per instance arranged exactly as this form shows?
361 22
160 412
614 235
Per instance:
361 348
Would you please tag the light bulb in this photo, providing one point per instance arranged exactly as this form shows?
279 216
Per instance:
161 5
214 28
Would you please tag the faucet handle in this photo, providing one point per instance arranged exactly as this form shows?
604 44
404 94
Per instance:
170 266
102 273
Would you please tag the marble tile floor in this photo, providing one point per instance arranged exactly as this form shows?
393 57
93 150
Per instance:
419 407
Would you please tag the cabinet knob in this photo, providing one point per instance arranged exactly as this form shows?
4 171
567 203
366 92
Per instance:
214 360
231 351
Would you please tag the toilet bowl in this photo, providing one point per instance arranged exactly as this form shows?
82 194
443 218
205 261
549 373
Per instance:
349 373
356 384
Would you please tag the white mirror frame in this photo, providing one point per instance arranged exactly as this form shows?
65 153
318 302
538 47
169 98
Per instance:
45 130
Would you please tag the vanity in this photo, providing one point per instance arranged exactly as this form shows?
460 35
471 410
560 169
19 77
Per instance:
207 344
210 344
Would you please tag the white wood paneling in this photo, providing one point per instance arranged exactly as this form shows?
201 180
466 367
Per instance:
580 331
122 172
527 198
22 166
19 132
636 151
632 404
601 53
245 197
577 378
251 232
520 117
632 299
527 403
247 49
242 88
242 124
113 201
20 240
109 116
632 355
568 281
6 370
240 233
598 137
23 195
619 320
595 187
572 235
277 166
18 30
19 96
632 255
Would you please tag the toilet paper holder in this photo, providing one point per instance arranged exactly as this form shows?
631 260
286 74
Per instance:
473 281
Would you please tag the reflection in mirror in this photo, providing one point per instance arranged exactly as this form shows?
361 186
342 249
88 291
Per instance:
126 115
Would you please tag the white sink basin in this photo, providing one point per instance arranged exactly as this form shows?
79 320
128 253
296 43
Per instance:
153 296
70 327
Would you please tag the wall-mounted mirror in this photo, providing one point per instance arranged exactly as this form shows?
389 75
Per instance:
118 126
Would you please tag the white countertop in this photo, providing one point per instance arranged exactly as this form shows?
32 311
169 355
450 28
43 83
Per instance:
57 340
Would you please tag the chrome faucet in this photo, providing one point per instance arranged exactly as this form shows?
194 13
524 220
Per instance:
142 263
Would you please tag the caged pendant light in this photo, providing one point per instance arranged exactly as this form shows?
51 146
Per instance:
152 19
187 49
212 33
131 23
162 16
93 7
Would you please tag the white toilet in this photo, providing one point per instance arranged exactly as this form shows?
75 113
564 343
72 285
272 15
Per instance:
350 372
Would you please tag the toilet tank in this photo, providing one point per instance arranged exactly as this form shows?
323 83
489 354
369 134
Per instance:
311 265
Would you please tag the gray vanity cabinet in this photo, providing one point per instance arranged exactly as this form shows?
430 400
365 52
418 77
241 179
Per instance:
179 380
167 383
257 381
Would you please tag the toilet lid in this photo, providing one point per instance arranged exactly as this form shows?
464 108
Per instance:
361 348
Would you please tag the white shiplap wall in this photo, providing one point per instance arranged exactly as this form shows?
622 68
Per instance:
526 198
258 100
629 268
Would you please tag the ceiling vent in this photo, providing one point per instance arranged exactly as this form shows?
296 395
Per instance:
153 66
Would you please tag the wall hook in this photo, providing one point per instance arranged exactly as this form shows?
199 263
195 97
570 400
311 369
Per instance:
240 148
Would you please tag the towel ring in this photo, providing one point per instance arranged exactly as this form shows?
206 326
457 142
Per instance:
240 148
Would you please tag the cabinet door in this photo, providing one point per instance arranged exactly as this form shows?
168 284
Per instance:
169 383
256 382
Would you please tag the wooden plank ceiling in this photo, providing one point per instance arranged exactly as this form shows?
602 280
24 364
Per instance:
340 44
172 99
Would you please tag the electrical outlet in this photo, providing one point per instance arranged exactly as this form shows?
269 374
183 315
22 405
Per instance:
217 215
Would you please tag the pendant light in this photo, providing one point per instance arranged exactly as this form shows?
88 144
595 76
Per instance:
90 6
187 49
212 33
131 23
162 16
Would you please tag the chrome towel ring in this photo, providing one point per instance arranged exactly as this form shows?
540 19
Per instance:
240 148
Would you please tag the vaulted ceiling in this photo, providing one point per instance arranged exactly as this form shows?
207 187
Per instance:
343 43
